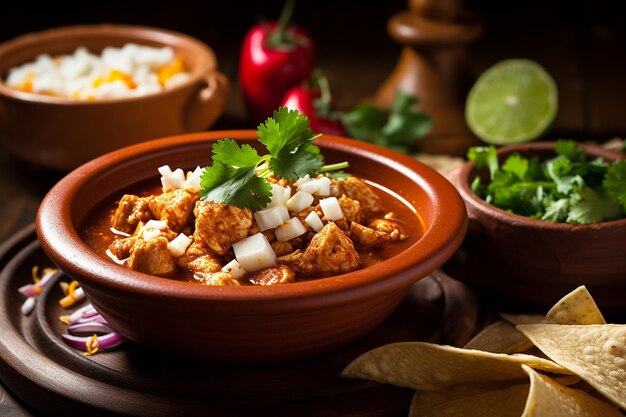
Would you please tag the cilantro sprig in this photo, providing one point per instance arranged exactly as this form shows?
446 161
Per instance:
566 188
238 173
399 130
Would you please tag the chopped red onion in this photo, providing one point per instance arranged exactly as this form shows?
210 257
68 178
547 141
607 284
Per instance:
91 327
93 319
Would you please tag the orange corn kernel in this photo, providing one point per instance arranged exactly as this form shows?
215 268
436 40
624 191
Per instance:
115 75
168 71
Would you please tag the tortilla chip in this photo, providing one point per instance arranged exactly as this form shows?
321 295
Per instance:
547 398
577 307
499 337
523 318
596 353
508 402
428 367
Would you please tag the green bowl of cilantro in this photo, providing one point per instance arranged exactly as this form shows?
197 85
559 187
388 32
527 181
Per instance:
544 218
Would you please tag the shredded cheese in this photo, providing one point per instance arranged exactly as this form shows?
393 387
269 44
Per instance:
92 345
73 295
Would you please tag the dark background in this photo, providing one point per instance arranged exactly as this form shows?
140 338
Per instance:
581 43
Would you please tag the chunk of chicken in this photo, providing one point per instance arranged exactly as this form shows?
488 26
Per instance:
216 278
282 248
274 275
121 247
130 211
220 225
363 236
358 190
199 260
351 209
175 207
152 257
330 251
389 228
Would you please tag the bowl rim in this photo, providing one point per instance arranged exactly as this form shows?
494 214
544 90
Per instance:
136 34
62 243
468 168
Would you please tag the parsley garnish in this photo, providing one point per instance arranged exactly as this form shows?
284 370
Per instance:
238 173
566 188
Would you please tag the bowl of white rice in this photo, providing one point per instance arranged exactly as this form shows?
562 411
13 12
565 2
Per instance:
70 94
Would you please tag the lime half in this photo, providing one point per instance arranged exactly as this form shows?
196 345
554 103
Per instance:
514 101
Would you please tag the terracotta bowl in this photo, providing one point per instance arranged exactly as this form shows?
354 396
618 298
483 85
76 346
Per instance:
533 263
246 324
60 133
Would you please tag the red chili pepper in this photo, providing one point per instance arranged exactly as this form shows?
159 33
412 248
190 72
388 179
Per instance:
315 102
274 58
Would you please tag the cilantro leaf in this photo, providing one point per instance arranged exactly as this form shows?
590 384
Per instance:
589 206
556 211
399 130
232 179
482 157
228 152
288 138
570 149
615 182
558 170
517 165
566 188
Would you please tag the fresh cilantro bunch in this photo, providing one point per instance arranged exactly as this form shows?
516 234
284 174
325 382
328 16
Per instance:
567 188
399 130
238 173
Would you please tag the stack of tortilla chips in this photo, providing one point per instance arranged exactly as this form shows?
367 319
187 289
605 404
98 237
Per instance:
568 363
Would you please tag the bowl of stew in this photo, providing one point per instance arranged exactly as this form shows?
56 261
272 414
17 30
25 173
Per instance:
70 94
110 223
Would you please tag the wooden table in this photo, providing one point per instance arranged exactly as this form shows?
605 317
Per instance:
582 44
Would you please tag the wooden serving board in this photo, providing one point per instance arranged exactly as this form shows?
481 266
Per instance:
40 369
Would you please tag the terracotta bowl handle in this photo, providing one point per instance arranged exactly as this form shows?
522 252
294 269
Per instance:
455 176
209 102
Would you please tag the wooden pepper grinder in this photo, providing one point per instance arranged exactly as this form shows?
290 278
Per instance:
432 66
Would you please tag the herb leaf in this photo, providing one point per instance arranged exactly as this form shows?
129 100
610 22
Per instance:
484 156
565 188
288 138
399 130
589 206
615 182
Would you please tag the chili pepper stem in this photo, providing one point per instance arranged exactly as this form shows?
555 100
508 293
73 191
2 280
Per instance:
278 38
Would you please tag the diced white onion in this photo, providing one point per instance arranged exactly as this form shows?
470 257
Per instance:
300 201
323 186
280 195
302 180
173 181
150 233
235 269
308 187
156 224
193 180
314 221
254 253
152 229
292 228
178 246
28 306
271 218
331 208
